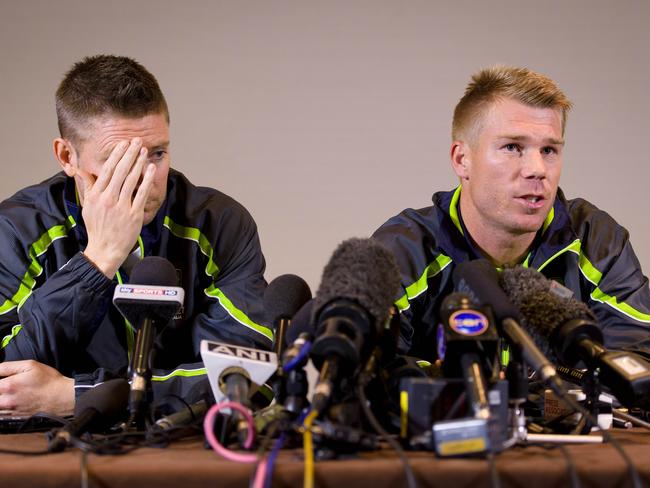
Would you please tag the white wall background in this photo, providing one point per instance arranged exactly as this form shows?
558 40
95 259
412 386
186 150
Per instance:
325 118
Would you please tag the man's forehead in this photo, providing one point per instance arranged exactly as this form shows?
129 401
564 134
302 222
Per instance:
510 112
104 132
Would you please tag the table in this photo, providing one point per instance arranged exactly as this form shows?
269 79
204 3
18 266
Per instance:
186 463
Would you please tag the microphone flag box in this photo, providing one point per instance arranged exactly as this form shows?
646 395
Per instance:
137 302
222 359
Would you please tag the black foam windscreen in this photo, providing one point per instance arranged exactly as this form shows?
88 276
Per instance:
302 322
542 310
284 296
154 271
364 271
109 398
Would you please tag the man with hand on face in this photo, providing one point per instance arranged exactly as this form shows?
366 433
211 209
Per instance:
66 242
507 151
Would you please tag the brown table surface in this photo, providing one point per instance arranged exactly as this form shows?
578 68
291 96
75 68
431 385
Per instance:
186 463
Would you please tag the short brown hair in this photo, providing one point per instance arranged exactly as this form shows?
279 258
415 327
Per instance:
521 84
106 85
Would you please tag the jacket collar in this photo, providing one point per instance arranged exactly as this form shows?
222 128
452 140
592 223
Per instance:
554 236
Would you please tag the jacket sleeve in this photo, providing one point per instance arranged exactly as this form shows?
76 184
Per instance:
50 320
405 238
621 301
231 309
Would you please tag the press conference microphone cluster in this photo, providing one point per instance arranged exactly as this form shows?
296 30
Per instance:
149 302
351 308
567 330
96 409
480 280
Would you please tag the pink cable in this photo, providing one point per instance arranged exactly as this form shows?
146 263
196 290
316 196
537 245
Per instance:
260 474
208 429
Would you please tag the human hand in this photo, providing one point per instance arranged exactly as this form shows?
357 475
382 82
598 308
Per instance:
112 213
28 387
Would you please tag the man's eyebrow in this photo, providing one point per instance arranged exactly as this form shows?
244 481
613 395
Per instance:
551 140
159 146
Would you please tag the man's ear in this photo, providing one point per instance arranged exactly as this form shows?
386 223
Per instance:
461 159
66 155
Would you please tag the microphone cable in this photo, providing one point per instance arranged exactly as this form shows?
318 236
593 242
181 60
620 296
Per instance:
569 400
495 482
408 471
208 429
571 467
308 448
364 378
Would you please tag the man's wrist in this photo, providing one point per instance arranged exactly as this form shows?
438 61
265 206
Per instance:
107 266
69 398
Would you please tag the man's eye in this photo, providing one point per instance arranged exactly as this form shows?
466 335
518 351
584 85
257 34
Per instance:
511 147
548 150
157 155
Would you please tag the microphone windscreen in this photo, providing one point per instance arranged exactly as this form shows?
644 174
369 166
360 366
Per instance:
302 322
284 296
364 271
531 292
154 271
543 311
109 398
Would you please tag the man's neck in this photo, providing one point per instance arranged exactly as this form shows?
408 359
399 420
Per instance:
503 250
500 247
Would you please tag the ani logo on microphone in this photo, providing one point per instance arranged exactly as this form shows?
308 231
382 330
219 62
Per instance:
468 322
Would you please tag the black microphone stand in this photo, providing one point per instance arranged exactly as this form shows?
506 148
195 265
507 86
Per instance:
140 374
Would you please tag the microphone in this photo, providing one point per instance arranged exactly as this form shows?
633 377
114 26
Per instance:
150 301
302 323
467 345
236 372
480 281
187 415
95 409
282 299
351 308
569 330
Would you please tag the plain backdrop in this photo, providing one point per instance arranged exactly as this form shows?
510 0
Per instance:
325 118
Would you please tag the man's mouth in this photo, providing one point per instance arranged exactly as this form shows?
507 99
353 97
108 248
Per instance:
532 201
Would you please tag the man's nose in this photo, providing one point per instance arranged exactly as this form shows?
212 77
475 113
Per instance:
534 165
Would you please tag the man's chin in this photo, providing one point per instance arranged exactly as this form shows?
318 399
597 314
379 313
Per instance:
149 215
530 224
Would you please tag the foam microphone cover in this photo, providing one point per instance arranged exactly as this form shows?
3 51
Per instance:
363 271
155 271
543 311
284 296
302 322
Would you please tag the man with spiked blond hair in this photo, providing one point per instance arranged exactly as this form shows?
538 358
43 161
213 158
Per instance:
507 151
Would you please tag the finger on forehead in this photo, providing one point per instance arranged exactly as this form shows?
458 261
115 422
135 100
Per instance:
106 173
134 175
124 165
143 190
